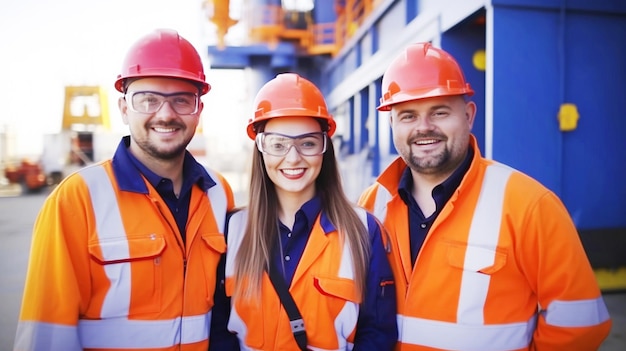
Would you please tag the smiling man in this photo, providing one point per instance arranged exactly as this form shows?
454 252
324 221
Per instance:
125 251
484 257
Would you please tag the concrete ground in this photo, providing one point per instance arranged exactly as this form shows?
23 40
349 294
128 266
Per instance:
17 215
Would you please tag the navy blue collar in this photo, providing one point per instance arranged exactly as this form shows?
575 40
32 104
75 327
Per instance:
128 170
310 210
442 192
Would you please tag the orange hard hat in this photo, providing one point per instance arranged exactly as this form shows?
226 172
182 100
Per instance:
289 95
422 71
163 53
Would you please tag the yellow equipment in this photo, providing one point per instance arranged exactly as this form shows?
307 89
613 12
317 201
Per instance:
85 111
85 107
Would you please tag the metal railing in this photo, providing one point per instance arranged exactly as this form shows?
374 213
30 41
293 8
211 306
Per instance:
270 23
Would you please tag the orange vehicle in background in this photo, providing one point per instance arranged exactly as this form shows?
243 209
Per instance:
28 173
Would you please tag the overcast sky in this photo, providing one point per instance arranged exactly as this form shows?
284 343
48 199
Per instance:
46 45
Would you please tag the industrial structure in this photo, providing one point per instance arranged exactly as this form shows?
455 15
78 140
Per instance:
548 77
85 135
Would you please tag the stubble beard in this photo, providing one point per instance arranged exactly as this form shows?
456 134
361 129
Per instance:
431 164
169 153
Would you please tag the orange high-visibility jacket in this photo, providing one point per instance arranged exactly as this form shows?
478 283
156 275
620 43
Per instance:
322 287
109 271
502 267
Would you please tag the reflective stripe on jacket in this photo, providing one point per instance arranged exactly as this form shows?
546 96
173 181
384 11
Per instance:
112 272
323 288
503 247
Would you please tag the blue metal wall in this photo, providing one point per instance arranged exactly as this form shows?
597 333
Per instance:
569 52
463 41
540 54
594 156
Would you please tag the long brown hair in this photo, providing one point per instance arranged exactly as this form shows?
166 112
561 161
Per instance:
262 230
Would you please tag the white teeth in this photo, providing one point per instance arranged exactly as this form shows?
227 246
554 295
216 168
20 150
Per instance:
426 142
293 171
164 130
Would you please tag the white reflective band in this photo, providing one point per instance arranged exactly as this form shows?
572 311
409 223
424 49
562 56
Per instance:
481 244
345 322
236 227
580 313
383 196
452 336
110 229
236 324
346 268
38 336
128 334
362 216
217 195
108 218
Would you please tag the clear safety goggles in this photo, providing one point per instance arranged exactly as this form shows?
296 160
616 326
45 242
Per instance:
276 144
183 103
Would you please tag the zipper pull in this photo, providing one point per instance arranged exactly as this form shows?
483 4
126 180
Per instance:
383 284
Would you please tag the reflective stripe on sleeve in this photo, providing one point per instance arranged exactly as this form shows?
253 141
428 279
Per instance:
128 334
453 336
39 336
109 226
580 313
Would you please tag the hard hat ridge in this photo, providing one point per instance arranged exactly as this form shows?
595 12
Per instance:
163 53
422 71
288 95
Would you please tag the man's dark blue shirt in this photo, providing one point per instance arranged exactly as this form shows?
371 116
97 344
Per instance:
419 225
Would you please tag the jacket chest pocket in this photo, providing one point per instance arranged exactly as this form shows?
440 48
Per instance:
476 259
339 301
127 275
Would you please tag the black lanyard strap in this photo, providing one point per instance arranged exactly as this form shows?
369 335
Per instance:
295 319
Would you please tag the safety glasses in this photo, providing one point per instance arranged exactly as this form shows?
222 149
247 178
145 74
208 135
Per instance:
276 144
183 103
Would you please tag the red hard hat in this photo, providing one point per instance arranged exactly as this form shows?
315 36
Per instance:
289 95
422 71
163 53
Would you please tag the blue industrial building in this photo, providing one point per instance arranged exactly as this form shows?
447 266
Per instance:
549 78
